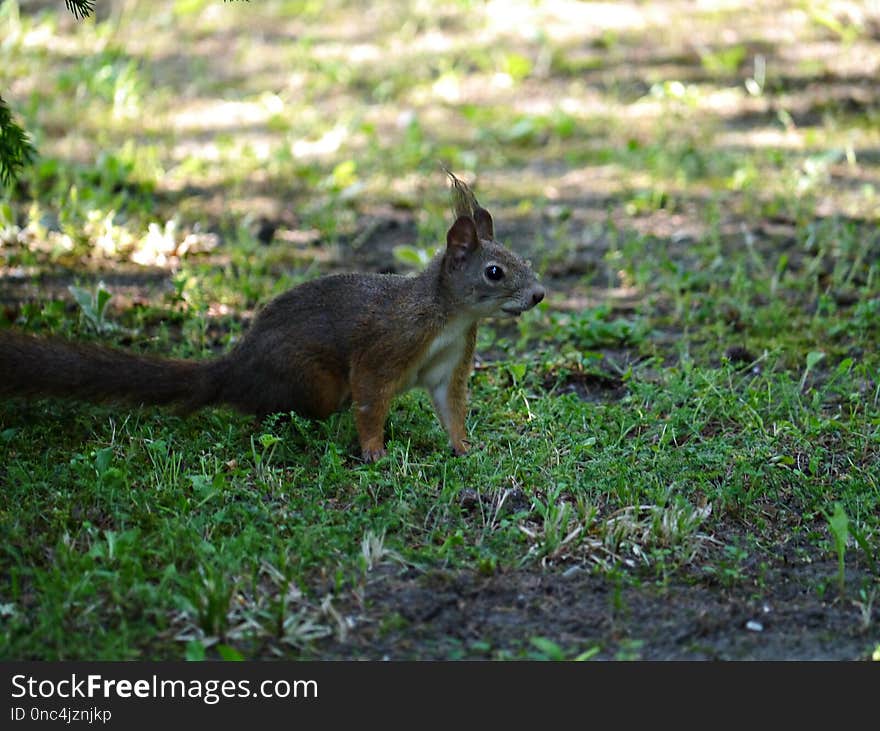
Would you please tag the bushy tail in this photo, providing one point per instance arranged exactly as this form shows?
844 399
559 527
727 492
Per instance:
35 366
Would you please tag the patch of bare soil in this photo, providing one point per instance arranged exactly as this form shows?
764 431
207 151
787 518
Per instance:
593 387
780 616
129 284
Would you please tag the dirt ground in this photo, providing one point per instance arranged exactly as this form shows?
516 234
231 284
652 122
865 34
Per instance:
439 615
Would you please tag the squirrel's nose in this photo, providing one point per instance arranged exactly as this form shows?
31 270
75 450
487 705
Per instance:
537 295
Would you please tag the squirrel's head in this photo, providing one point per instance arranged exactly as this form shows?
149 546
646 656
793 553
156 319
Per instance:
488 278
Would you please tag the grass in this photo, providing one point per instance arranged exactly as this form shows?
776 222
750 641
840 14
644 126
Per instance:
698 395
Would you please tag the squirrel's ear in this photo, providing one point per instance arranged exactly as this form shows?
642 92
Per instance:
461 239
485 227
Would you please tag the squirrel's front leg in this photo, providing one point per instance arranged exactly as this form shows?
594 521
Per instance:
371 403
450 397
450 402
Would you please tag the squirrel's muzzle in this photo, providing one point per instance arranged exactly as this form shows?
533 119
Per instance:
525 301
537 295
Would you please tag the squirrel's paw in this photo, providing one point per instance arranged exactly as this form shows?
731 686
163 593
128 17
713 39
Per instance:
461 448
373 454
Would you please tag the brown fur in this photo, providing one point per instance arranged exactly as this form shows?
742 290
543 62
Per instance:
349 337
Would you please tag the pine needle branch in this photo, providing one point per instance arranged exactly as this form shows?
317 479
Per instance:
16 149
80 8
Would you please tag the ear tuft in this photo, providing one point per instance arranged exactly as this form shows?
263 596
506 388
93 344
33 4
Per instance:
463 201
461 240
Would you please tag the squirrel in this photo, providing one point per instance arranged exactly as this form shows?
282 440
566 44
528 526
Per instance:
341 338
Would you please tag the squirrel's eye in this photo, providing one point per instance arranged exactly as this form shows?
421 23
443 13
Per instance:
495 273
